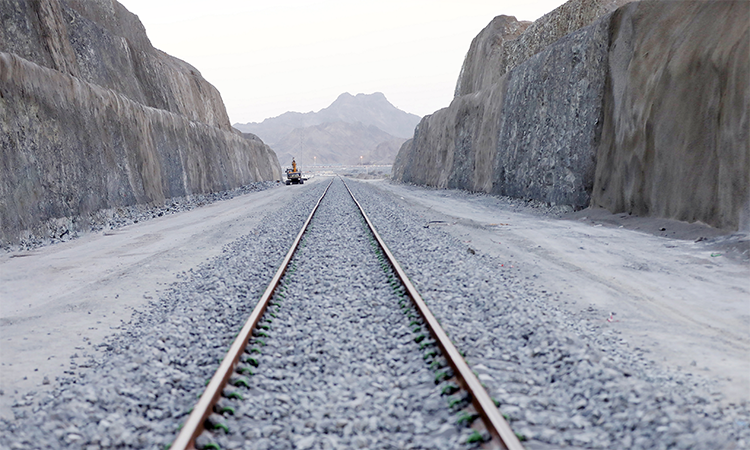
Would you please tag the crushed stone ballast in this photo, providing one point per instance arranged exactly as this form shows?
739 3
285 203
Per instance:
227 410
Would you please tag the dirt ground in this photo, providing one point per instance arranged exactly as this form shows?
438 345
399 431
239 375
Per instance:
672 296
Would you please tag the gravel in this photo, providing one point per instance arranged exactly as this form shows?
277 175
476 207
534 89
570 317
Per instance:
64 229
135 389
337 362
562 381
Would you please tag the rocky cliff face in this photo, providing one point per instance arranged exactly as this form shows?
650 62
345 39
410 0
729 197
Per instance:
532 133
676 129
644 110
506 42
92 117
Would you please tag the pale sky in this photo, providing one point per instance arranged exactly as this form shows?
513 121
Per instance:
269 57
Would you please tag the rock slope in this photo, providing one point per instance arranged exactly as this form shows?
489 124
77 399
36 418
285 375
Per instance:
625 113
530 134
94 117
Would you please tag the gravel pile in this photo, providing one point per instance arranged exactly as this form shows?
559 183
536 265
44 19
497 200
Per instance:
137 387
561 380
337 362
67 228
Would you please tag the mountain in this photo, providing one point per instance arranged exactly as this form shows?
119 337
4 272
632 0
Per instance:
385 152
338 143
366 125
368 109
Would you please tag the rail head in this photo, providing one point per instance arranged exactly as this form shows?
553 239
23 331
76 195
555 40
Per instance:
194 425
498 428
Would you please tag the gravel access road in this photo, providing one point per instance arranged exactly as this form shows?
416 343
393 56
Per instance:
679 292
57 301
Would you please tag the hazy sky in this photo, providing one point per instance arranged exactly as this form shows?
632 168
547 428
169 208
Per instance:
269 57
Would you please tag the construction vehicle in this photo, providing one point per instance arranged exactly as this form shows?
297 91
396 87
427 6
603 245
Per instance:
294 175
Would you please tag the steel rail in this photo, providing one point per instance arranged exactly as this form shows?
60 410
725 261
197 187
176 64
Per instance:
195 424
485 406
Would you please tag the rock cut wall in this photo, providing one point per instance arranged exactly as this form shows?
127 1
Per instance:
532 133
645 110
101 42
93 117
676 134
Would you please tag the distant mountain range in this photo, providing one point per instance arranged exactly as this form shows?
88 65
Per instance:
365 125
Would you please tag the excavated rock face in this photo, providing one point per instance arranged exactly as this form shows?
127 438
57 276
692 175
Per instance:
675 137
487 59
505 42
645 110
532 133
101 42
568 18
455 147
92 116
549 125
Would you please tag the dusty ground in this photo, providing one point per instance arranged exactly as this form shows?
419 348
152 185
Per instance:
62 300
690 309
685 302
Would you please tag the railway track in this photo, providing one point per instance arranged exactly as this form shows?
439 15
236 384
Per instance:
380 327
340 367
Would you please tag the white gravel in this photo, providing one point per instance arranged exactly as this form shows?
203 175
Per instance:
337 362
561 381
